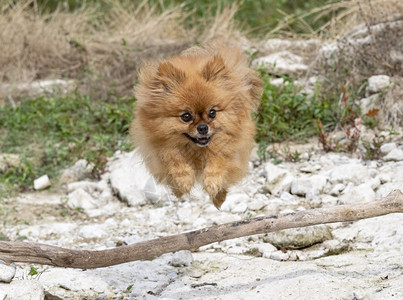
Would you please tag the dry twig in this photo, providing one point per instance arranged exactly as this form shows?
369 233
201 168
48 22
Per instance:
61 257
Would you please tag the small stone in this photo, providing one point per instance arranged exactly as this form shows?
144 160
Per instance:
280 255
308 186
23 289
374 183
283 62
329 200
384 178
266 249
182 258
337 189
353 172
79 171
309 168
80 199
394 155
42 183
239 208
378 83
387 147
358 194
7 273
258 203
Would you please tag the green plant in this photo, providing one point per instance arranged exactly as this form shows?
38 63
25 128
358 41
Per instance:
51 133
287 113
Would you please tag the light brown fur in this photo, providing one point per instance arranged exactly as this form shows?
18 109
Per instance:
217 78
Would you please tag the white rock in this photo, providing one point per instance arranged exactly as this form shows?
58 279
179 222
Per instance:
266 249
76 281
337 189
374 183
80 199
258 202
154 192
129 178
79 171
387 147
23 289
282 62
7 273
187 214
87 186
358 194
280 255
182 258
378 83
394 155
329 200
233 200
353 172
239 208
308 186
42 183
296 238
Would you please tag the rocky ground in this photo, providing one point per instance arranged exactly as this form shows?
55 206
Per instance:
360 260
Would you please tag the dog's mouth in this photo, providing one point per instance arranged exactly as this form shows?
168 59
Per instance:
202 141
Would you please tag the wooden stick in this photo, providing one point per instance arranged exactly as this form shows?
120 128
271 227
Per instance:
61 257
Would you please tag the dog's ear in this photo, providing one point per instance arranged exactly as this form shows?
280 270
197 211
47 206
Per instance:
214 69
169 76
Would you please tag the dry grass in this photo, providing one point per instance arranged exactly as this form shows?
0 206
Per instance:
342 15
102 51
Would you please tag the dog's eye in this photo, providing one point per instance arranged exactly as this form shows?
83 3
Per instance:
186 117
212 114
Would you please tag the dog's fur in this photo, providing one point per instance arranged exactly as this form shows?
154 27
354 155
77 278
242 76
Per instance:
211 147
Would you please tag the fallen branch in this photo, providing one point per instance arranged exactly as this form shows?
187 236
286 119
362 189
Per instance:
61 257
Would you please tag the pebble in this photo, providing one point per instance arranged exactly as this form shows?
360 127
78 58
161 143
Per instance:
42 183
394 155
182 258
7 273
358 194
337 189
387 147
22 289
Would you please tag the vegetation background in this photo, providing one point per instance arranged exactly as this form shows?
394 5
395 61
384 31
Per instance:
100 46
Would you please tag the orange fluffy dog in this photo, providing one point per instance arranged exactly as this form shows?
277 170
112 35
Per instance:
193 119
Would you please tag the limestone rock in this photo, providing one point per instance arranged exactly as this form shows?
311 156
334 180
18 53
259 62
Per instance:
182 258
42 183
296 238
358 194
394 155
133 183
79 171
378 83
23 289
353 172
6 273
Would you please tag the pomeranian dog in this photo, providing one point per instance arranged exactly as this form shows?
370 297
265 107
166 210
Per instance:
193 119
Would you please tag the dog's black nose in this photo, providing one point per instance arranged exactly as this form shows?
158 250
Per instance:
202 129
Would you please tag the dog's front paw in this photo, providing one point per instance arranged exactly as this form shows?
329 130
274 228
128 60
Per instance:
184 184
213 185
219 199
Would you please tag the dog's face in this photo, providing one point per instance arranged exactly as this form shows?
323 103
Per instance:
193 103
